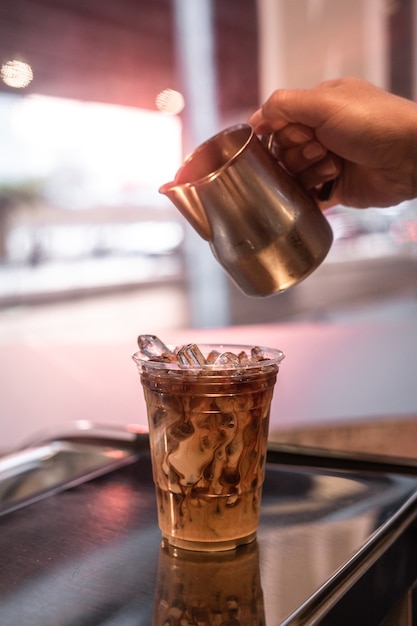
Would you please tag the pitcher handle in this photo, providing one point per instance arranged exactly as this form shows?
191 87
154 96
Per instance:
325 191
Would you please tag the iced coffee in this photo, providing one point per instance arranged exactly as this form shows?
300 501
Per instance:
208 411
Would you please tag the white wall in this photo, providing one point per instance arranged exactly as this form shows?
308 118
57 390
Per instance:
303 42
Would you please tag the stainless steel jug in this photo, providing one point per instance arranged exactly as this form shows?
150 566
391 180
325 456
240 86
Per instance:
263 228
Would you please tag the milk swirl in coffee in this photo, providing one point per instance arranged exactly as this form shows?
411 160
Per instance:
208 413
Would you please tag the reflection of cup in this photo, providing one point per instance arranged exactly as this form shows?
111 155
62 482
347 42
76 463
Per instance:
262 227
208 428
208 590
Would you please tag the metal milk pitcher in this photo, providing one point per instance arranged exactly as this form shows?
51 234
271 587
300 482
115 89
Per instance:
263 228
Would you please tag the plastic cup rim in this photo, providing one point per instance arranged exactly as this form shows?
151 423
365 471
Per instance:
273 356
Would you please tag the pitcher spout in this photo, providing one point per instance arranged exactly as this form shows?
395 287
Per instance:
187 201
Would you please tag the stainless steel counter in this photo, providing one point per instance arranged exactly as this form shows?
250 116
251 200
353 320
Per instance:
335 530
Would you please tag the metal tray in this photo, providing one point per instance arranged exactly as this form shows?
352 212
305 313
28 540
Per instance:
58 460
91 554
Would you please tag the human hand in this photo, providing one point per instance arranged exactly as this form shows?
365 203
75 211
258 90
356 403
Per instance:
346 129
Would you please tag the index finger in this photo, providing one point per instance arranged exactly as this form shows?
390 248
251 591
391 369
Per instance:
310 107
263 125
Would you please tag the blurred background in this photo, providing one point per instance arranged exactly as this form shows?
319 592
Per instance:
88 247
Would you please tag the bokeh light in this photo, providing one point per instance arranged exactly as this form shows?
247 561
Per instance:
17 74
170 101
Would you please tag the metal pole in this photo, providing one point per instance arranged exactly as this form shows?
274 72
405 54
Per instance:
196 67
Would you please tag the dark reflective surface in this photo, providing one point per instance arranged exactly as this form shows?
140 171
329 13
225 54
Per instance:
222 588
90 555
48 466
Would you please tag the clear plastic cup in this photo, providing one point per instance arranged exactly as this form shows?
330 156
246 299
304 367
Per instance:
208 430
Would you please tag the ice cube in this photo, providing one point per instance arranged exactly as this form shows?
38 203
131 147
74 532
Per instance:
166 357
191 354
227 358
257 354
151 346
243 358
212 356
